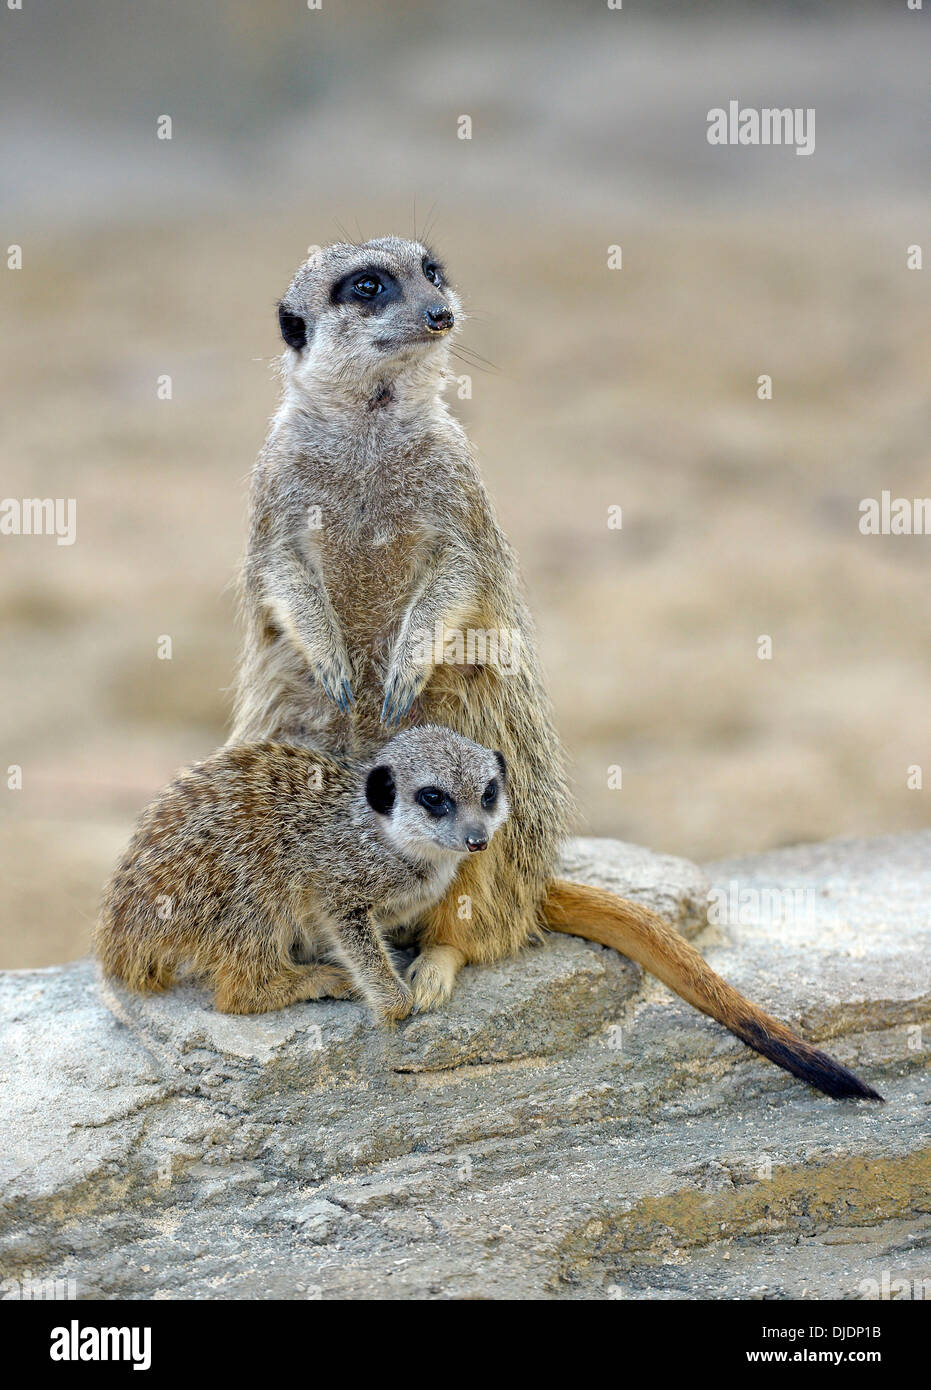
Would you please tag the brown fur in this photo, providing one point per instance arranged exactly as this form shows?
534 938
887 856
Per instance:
409 537
267 871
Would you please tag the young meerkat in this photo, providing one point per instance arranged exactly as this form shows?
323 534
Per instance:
261 866
374 559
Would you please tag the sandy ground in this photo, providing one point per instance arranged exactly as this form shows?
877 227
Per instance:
634 388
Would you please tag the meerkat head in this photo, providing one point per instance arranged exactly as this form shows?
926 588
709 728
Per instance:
435 794
369 319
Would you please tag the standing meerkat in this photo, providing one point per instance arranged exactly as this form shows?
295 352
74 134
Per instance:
378 589
255 863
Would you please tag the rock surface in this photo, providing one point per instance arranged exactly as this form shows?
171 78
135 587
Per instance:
562 1129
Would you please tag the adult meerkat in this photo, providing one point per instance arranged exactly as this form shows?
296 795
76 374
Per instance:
374 553
255 863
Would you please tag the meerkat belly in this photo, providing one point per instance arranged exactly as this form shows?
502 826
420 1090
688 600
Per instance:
371 579
368 583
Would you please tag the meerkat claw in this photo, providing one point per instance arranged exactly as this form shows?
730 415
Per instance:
396 707
339 692
399 1007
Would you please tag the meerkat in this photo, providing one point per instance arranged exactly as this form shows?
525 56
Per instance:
374 555
278 874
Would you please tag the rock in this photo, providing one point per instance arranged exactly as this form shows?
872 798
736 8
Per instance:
561 1129
675 888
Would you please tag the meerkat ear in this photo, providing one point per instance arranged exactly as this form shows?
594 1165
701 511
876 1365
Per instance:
379 790
502 765
293 328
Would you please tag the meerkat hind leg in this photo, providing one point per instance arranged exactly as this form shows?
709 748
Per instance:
240 993
328 982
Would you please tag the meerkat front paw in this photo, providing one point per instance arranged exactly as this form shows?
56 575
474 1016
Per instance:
431 976
334 676
397 1005
401 691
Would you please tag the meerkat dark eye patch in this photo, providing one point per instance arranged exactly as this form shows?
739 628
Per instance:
379 790
433 271
502 765
490 795
293 328
437 802
368 288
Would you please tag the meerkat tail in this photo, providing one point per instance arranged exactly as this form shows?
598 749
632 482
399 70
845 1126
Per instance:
635 931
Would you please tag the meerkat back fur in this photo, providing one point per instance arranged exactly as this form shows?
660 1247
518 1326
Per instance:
278 874
371 534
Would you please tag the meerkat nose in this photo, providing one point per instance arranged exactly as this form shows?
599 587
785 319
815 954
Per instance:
476 840
438 318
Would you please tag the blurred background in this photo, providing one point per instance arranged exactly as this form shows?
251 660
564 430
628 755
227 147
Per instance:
144 258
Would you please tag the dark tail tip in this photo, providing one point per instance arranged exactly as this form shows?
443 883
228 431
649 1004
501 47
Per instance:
808 1064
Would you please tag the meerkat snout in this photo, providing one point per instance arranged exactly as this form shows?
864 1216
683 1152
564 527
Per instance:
436 794
439 318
